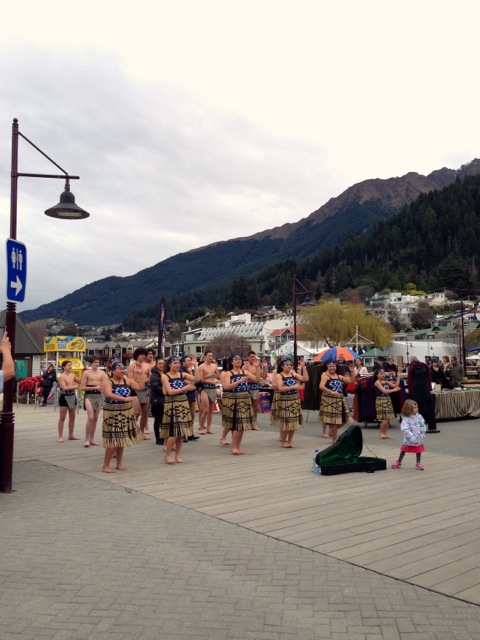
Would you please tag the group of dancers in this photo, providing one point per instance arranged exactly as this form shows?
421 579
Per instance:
174 388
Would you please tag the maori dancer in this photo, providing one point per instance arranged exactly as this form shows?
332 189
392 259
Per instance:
140 371
92 385
383 403
67 400
120 428
333 407
237 411
209 376
177 422
288 416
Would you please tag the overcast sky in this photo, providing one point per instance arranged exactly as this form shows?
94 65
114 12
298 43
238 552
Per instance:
193 121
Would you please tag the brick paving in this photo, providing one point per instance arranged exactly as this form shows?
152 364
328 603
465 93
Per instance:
89 556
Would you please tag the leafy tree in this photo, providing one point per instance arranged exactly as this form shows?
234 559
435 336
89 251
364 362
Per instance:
334 322
239 294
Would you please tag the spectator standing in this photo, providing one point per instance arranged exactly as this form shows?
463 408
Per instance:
458 372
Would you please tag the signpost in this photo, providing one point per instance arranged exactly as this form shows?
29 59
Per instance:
16 270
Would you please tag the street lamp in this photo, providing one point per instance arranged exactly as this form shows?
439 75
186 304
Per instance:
66 209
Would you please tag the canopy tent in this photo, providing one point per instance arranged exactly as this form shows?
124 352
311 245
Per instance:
475 348
375 353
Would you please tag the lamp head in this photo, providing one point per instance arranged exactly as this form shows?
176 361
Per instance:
66 209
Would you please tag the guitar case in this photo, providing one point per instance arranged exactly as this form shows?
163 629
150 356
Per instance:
345 456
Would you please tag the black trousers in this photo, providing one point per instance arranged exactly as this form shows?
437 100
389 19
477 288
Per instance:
157 413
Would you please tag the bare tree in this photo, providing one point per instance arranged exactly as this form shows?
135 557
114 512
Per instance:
38 330
225 345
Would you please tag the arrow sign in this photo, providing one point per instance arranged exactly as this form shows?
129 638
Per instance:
16 270
18 286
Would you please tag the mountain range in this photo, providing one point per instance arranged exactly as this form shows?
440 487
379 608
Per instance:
356 210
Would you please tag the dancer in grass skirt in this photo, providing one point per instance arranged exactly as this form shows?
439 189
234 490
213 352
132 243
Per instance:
237 409
177 422
288 416
333 407
383 403
120 429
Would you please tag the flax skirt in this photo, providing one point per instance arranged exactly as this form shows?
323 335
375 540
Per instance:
333 409
237 412
120 429
384 408
288 414
177 419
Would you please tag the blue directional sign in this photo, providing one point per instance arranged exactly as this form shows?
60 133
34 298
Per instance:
16 270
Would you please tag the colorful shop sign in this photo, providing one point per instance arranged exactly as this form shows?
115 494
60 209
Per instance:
77 365
64 343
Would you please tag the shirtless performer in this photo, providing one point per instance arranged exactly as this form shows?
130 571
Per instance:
253 366
140 372
150 359
67 402
92 384
209 375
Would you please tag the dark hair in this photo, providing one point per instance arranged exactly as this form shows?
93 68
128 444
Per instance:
158 358
139 351
93 359
205 353
252 353
64 363
151 350
281 363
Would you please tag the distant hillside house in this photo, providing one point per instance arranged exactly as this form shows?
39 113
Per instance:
121 348
257 334
381 304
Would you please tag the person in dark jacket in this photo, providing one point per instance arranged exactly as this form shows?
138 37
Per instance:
48 380
157 397
420 390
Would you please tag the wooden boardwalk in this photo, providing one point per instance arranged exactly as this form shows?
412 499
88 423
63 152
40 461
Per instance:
420 527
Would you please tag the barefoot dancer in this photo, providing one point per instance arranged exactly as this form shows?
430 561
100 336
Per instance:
383 402
120 428
209 375
68 383
177 422
333 407
140 371
288 413
237 410
92 385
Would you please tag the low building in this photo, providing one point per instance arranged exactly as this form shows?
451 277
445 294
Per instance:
28 353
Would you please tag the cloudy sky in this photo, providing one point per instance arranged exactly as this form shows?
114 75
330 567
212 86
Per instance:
193 121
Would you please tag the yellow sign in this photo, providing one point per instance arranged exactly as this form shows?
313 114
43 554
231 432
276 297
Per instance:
64 343
77 365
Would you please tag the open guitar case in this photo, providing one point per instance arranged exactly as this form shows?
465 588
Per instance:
345 456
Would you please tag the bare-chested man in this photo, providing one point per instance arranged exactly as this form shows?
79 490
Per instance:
92 384
209 375
140 371
253 366
67 402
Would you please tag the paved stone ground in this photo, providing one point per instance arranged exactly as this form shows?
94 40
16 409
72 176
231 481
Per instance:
85 558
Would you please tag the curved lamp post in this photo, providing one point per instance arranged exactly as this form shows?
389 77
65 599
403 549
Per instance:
66 209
